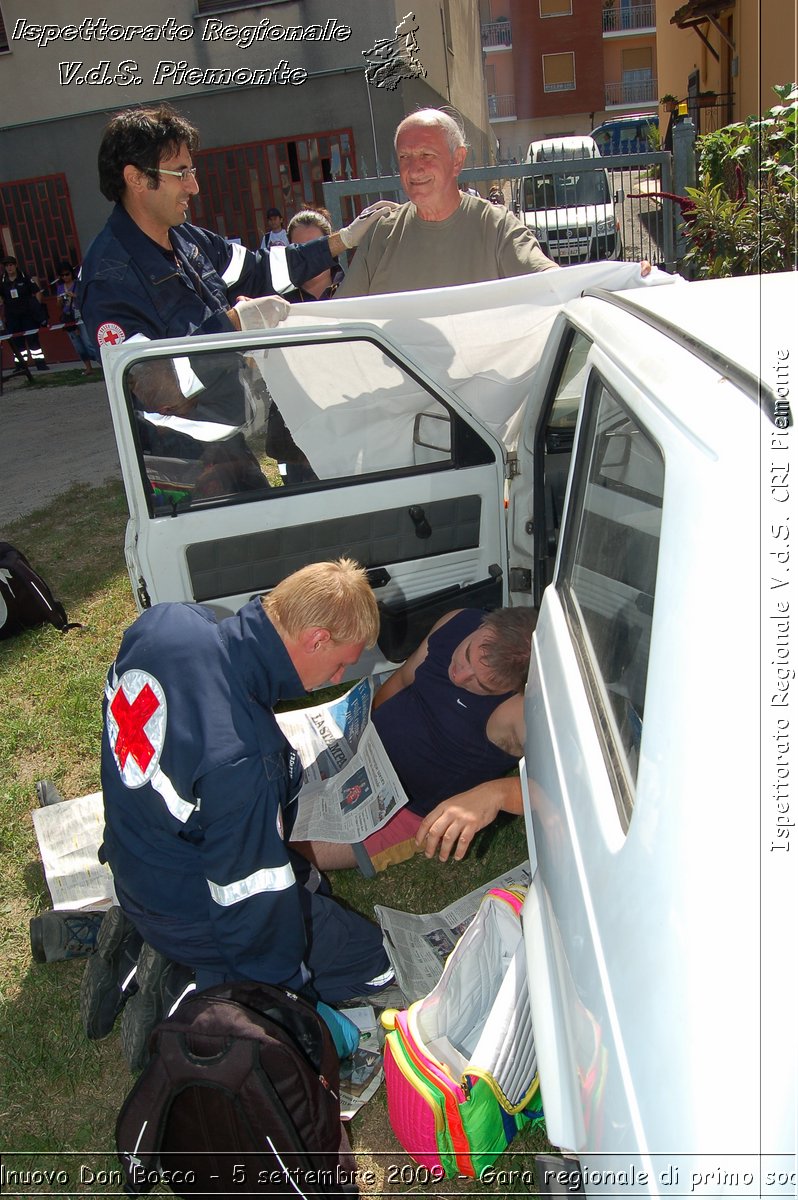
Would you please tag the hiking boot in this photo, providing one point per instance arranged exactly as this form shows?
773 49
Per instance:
110 975
47 793
162 984
67 933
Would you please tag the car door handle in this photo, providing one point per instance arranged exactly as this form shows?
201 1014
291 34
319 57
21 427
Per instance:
419 519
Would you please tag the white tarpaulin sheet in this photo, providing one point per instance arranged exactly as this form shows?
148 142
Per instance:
481 342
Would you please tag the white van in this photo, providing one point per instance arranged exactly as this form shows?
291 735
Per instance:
570 207
643 439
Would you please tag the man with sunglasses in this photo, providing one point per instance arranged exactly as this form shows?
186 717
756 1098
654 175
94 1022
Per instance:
150 273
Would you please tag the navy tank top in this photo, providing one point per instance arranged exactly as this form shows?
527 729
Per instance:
434 732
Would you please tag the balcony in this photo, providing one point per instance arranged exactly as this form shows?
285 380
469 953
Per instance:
629 18
501 108
630 92
497 35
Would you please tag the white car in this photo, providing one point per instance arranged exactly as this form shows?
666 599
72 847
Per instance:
621 459
571 207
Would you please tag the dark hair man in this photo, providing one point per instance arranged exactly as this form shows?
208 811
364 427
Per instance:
451 719
152 274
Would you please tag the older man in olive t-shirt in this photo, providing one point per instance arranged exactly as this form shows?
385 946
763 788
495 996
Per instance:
442 237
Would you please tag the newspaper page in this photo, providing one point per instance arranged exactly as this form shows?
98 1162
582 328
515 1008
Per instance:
326 736
418 946
361 1074
350 787
69 836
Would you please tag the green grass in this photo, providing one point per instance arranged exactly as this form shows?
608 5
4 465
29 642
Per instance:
60 1093
68 377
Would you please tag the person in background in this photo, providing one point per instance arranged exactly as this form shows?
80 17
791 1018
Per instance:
70 315
306 226
24 312
277 236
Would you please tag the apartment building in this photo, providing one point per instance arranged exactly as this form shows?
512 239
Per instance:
557 67
277 89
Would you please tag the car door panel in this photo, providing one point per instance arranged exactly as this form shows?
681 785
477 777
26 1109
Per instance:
403 479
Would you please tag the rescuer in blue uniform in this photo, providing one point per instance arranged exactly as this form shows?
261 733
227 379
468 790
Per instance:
199 786
150 273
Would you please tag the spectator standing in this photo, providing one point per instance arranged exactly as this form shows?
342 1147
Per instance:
24 312
277 236
70 315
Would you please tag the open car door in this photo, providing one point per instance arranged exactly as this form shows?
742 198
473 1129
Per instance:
249 455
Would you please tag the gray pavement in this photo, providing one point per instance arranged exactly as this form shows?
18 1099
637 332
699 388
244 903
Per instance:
51 438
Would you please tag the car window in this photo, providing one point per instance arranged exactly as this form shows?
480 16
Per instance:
566 190
608 572
231 427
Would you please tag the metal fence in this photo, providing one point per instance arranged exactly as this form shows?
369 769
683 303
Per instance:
633 184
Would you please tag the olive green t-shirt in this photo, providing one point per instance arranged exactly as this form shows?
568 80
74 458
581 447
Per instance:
478 242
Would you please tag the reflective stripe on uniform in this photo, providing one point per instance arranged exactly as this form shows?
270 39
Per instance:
180 809
268 879
278 265
234 268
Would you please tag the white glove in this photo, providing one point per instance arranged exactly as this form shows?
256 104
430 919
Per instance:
264 313
352 235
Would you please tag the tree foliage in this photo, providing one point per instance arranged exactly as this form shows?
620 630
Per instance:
744 217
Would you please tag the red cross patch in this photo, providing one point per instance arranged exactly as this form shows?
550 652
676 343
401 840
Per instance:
136 724
110 334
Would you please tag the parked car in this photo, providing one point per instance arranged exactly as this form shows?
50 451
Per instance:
632 133
596 455
571 207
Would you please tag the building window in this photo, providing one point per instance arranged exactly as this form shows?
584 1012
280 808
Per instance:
556 8
3 37
559 72
637 83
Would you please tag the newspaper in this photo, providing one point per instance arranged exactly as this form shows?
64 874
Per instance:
69 835
418 946
361 1074
350 788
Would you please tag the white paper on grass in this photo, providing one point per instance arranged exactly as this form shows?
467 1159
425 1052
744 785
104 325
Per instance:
69 835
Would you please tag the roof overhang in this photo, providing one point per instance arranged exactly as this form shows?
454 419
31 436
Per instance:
696 12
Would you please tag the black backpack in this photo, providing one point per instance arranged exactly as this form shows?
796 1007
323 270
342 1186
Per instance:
240 1096
25 599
